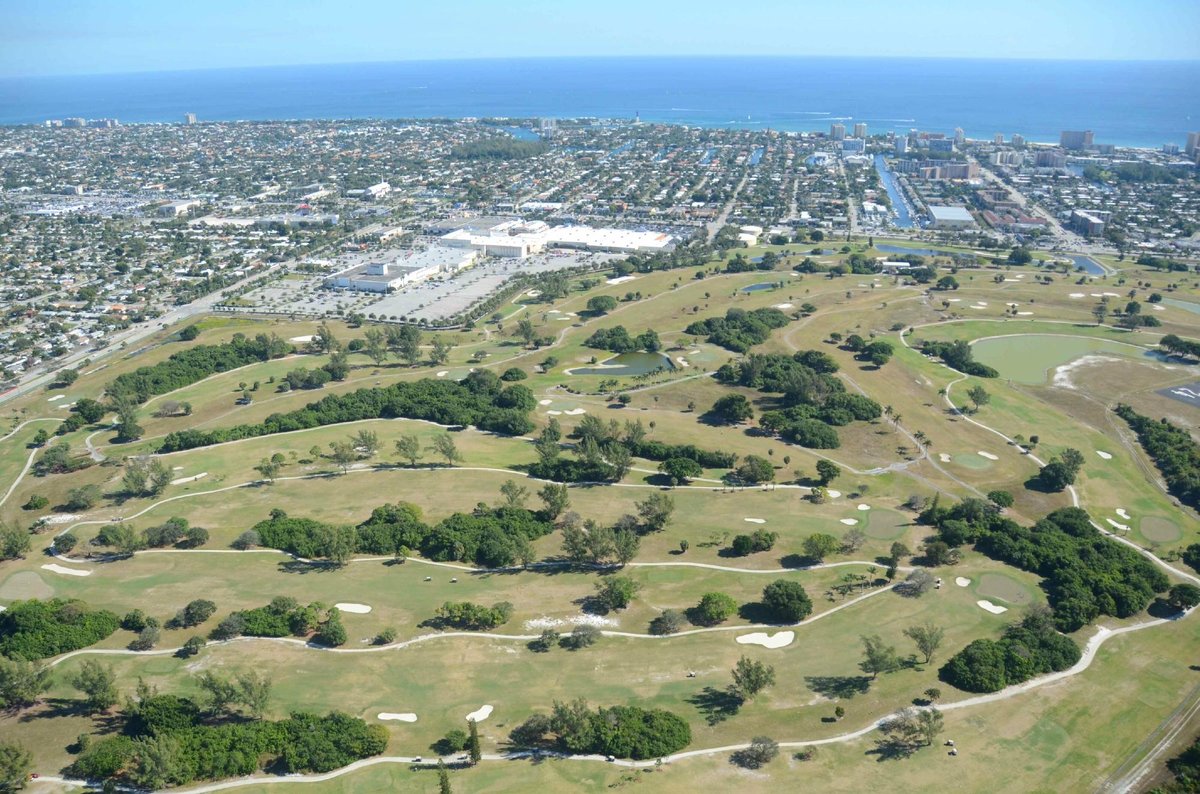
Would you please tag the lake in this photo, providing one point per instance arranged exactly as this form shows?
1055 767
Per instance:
625 364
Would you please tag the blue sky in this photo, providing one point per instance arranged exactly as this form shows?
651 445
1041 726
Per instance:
96 36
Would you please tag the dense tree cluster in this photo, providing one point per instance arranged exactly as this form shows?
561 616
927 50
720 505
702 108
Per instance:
472 617
1026 649
1180 347
618 340
1173 451
481 399
37 629
739 330
1086 575
196 363
620 731
958 355
491 537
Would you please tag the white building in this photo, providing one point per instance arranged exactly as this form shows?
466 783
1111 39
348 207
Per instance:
384 271
951 217
516 238
173 209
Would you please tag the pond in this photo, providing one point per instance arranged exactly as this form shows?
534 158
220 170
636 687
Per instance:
900 249
1187 306
1089 265
1032 358
760 287
627 364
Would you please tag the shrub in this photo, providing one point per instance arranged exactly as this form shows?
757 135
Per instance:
37 629
787 601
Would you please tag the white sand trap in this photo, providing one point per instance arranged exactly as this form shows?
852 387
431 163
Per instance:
1024 314
621 279
777 640
533 293
681 360
1012 279
864 507
1096 294
755 520
694 352
308 338
480 714
554 413
1012 304
1112 294
1104 455
545 402
962 581
176 468
1115 525
953 300
546 622
357 609
783 306
1159 309
62 518
995 609
64 570
1121 512
849 521
55 398
1076 295
832 494
988 455
443 373
407 716
976 306
193 478
943 457
576 412
981 303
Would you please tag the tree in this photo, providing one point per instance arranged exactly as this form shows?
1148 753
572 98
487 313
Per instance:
409 448
933 694
754 469
127 427
978 396
556 498
762 750
680 471
14 542
221 692
343 454
440 351
732 409
655 511
514 494
269 469
443 445
582 636
22 682
1099 311
715 608
787 601
939 553
616 592
526 331
1000 498
1183 596
827 471
15 763
601 304
820 545
365 442
254 692
929 724
97 683
751 676
376 346
443 778
669 622
928 638
877 657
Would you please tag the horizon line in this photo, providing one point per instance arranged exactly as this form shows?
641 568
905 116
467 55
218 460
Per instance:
486 58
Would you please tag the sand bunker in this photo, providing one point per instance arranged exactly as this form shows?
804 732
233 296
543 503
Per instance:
962 581
755 520
988 455
545 402
1024 314
576 412
833 494
777 640
575 620
64 570
357 609
55 397
953 300
783 306
1117 525
307 338
995 609
443 373
407 716
1121 512
480 714
64 518
849 521
193 478
554 413
1104 455
621 279
1076 295
943 457
864 507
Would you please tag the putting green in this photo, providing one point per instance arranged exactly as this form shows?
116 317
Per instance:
1002 588
885 524
23 585
1160 530
972 461
1032 358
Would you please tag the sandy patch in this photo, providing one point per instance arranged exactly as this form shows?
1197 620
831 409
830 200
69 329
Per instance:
1112 294
681 360
576 412
480 714
407 716
1024 314
864 507
783 306
981 303
621 279
988 455
554 413
55 398
1062 373
962 581
1115 525
598 621
777 640
64 570
1076 295
533 293
1159 309
308 338
193 478
357 609
1121 512
63 518
944 457
694 352
1104 455
953 300
1012 304
443 373
832 494
545 402
995 609
977 306
755 520
849 521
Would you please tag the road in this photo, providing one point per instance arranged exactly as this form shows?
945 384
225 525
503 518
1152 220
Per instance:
716 225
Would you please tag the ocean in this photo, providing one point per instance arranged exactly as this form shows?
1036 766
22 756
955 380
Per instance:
1126 103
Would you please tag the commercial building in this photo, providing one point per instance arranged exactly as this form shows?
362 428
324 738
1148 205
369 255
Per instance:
1050 159
173 209
853 146
376 191
941 145
1075 139
860 129
960 137
902 144
189 118
950 218
1193 143
1018 140
837 131
386 271
1007 158
517 238
1089 223
998 139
